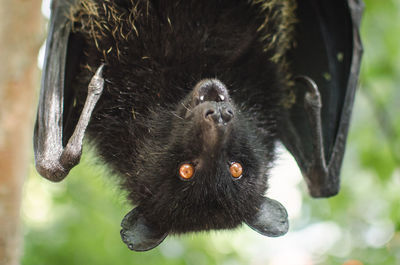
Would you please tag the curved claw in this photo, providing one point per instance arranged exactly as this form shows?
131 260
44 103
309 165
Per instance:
99 71
96 84
312 95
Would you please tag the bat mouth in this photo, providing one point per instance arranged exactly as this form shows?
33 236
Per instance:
210 90
211 103
211 111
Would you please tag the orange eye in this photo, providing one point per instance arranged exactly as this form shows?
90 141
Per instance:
236 170
186 171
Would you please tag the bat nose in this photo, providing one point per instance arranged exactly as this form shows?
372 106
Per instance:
211 97
219 114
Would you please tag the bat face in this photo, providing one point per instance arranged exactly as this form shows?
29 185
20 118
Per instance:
207 170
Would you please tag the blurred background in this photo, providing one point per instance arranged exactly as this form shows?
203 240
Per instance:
78 220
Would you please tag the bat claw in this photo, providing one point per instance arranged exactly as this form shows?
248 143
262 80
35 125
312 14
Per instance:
312 96
97 82
99 71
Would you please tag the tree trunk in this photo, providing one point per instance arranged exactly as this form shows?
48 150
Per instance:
20 39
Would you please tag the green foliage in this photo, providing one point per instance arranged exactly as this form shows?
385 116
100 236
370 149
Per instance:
377 137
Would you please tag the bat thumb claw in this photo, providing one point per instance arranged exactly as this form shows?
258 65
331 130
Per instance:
99 71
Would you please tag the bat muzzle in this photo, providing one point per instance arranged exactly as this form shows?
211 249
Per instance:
209 112
210 100
217 113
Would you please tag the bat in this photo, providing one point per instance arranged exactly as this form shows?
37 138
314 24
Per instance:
186 100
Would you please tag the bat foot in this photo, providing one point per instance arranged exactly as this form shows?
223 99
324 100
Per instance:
137 234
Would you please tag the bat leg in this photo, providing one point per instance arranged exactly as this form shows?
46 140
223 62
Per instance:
319 180
271 220
137 234
53 161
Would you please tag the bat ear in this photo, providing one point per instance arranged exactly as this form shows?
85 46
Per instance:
138 234
271 220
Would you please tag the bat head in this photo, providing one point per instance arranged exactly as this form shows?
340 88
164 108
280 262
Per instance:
204 166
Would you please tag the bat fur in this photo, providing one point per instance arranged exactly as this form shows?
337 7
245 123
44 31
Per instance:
155 53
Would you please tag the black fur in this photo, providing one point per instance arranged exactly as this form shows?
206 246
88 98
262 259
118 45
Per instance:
154 59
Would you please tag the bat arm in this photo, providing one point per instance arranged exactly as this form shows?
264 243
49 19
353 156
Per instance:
53 161
73 150
321 179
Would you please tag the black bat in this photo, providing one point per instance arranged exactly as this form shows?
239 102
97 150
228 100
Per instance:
185 100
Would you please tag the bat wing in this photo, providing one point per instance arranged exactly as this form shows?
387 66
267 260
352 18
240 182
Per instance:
56 149
327 60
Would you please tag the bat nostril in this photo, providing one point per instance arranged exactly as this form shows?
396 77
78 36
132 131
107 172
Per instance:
227 115
223 115
209 113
